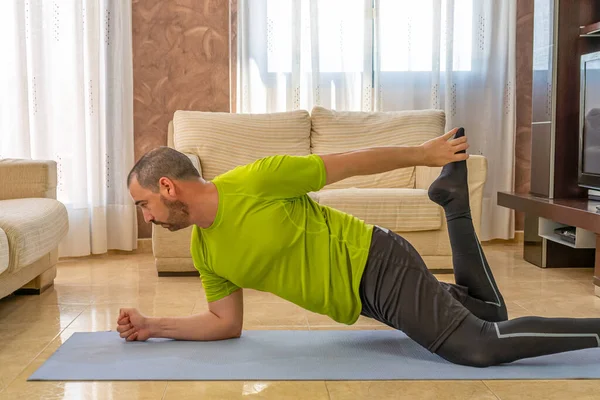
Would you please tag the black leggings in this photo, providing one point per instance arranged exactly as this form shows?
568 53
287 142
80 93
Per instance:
465 323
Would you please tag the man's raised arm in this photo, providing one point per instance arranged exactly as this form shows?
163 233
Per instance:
435 152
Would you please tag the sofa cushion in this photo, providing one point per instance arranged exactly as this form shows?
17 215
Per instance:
400 210
3 252
340 131
33 227
167 244
224 141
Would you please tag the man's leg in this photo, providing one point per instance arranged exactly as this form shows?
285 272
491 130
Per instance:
398 290
480 343
471 270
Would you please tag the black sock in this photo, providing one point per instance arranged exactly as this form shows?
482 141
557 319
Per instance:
451 191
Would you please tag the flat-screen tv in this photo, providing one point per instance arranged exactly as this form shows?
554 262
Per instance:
589 123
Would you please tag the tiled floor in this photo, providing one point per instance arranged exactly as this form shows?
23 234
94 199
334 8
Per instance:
89 292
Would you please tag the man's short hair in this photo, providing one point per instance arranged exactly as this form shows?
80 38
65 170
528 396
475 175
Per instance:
162 162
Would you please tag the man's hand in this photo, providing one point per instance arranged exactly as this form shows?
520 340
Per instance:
132 325
441 151
374 160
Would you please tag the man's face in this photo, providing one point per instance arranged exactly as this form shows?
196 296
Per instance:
162 208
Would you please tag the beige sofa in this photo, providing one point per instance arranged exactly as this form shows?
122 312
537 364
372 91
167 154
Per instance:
32 223
397 200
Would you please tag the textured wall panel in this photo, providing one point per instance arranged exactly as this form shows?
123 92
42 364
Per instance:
180 61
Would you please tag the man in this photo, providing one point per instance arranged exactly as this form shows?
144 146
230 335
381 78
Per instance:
256 227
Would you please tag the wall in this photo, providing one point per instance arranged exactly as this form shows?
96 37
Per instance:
524 65
180 61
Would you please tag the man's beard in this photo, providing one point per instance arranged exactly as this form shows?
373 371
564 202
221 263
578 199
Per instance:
179 215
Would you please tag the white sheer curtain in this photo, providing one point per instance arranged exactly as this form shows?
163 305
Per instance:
67 95
295 54
384 55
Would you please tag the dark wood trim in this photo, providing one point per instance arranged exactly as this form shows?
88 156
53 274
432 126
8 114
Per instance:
176 273
589 29
597 264
566 140
573 212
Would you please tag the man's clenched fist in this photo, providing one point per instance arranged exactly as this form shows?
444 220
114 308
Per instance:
132 325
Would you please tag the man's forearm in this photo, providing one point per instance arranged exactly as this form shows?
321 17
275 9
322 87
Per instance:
387 159
201 327
376 160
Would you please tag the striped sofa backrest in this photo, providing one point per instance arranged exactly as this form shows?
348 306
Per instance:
224 141
339 131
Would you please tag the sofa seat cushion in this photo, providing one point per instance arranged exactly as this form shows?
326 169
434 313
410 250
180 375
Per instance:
339 131
400 210
33 227
224 141
3 252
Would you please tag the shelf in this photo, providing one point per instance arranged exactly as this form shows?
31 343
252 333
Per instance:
558 239
590 30
583 239
581 212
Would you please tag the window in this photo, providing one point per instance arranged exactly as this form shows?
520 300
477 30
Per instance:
411 35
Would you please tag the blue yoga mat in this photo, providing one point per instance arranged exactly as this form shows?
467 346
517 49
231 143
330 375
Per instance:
288 355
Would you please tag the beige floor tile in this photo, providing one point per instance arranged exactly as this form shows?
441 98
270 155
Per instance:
103 317
247 390
567 306
350 328
274 314
541 290
10 304
410 390
546 390
276 328
515 310
21 389
318 320
55 315
255 296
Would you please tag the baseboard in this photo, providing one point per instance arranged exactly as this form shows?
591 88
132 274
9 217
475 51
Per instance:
177 273
144 246
518 239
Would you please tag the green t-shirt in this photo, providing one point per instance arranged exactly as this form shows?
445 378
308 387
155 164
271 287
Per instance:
269 235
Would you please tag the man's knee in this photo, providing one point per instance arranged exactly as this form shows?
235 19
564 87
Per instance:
479 356
498 314
471 344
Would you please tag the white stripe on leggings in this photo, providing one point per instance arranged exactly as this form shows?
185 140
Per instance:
497 303
509 335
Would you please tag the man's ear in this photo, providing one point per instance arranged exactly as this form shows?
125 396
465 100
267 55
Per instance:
167 187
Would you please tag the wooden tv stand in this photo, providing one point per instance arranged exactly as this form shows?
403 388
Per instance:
580 213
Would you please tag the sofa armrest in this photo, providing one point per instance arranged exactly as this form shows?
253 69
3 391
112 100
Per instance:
21 178
477 166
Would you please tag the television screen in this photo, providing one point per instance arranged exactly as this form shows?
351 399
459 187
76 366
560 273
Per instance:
591 122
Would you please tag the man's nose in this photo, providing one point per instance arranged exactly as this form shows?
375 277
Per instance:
148 217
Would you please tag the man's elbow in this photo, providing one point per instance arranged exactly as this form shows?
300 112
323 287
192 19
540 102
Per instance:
234 330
